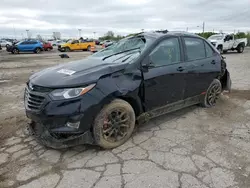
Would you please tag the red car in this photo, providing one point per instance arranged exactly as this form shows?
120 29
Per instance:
47 46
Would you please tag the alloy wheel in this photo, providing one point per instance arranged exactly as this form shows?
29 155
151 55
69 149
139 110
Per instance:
116 126
213 94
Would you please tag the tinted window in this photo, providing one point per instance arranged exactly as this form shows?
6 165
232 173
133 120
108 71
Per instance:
209 50
195 48
166 52
25 42
33 42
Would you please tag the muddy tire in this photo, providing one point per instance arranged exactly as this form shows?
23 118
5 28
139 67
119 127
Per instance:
114 125
212 94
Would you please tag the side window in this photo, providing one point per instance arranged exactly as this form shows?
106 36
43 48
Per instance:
209 50
195 48
166 52
24 43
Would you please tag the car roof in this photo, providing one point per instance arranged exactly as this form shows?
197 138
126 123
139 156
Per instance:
159 34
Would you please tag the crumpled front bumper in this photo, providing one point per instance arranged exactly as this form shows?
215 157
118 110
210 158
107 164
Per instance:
43 136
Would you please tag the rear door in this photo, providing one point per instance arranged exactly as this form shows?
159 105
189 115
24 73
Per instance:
165 79
203 64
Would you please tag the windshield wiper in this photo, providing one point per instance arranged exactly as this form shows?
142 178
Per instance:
120 53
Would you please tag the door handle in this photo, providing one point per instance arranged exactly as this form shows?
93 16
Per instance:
180 69
213 62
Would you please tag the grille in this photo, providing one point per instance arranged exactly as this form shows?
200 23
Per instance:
33 101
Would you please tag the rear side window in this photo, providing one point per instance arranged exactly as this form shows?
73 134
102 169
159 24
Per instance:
25 42
209 50
195 48
166 52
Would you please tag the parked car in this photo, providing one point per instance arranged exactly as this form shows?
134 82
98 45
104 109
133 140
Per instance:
72 45
47 46
98 100
107 44
5 43
26 46
225 42
102 42
97 42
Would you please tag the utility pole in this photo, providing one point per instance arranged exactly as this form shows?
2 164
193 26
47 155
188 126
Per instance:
79 30
14 31
187 29
203 27
94 34
27 33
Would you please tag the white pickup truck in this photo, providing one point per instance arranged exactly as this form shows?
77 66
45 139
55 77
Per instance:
224 42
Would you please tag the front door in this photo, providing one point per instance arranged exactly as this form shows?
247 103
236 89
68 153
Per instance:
202 66
165 79
75 45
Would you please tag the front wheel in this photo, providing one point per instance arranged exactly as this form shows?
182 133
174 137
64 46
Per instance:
67 49
212 94
114 125
88 48
220 49
15 51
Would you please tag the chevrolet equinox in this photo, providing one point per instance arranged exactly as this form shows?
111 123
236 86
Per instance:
100 99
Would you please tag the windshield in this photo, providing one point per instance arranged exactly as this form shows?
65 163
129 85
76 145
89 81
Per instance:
216 37
123 45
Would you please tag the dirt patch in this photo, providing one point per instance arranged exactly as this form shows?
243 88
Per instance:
242 94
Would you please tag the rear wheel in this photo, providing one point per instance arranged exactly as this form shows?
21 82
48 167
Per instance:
88 48
114 125
212 94
240 49
37 50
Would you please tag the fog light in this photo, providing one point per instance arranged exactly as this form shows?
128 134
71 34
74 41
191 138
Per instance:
73 125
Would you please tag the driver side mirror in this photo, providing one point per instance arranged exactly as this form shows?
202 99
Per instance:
147 64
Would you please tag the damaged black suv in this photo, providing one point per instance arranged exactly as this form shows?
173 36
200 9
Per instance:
99 100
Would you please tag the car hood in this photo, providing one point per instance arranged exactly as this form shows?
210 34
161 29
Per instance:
77 73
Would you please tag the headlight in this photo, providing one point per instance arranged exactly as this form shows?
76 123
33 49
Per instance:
70 93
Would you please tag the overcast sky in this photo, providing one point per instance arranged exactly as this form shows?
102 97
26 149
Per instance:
120 16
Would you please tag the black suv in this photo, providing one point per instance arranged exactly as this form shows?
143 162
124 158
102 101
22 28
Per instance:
99 100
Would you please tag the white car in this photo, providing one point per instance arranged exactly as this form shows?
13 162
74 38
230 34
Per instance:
224 42
5 43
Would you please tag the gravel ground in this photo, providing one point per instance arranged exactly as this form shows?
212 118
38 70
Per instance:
190 148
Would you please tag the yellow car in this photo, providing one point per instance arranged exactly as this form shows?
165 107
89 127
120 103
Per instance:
72 45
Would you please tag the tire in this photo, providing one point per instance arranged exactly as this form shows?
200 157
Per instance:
110 119
15 51
220 49
240 49
37 50
212 94
88 48
67 49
